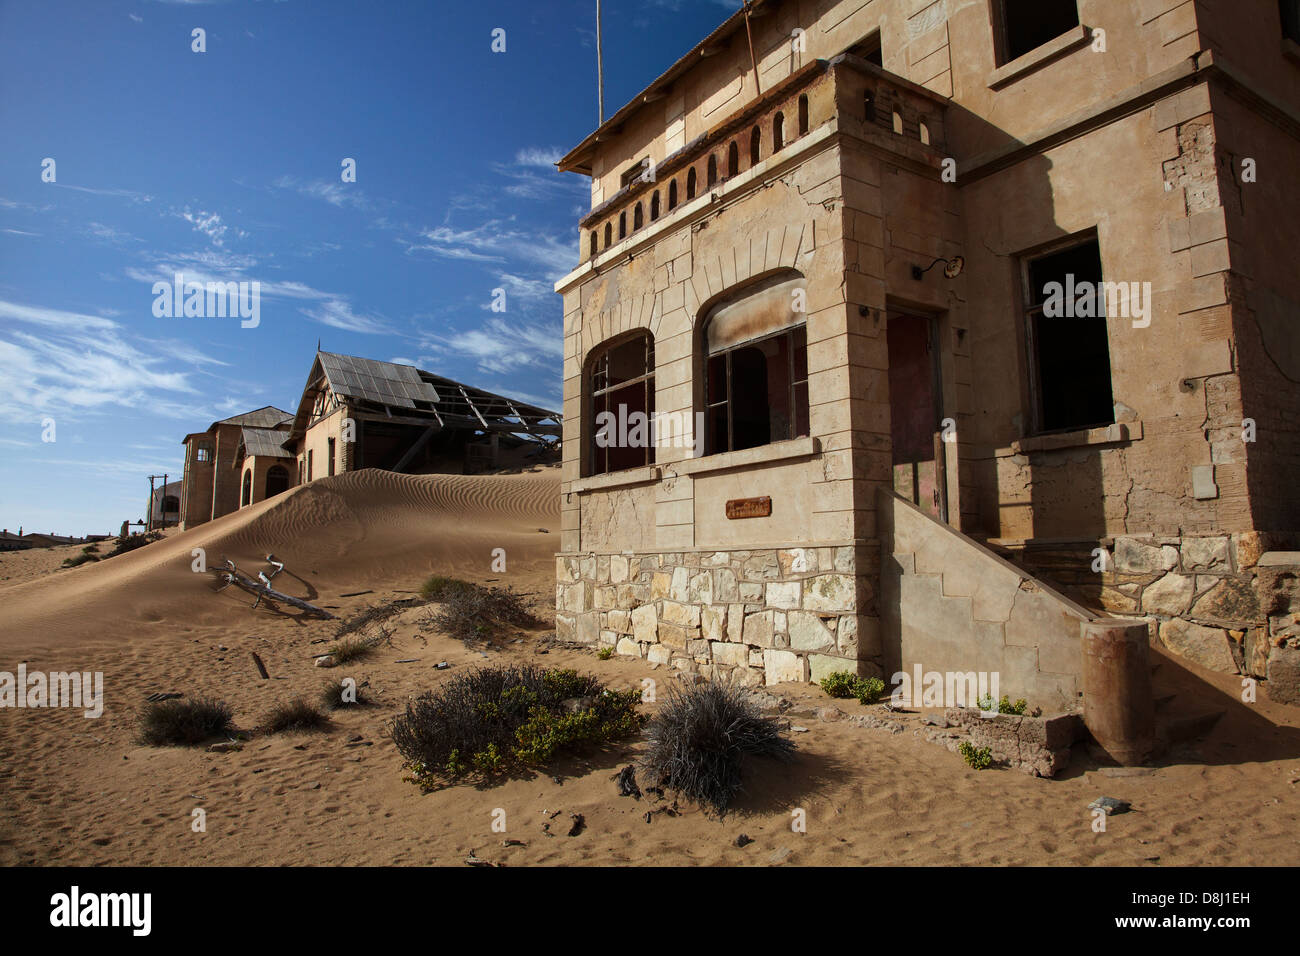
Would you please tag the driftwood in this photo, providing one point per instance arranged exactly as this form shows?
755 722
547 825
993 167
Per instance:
261 586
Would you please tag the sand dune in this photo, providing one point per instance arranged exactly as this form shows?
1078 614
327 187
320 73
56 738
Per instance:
74 790
347 533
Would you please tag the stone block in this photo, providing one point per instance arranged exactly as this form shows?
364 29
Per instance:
830 592
685 614
713 622
628 647
730 655
645 623
759 629
808 633
780 667
784 594
1171 595
1284 675
1206 554
1206 646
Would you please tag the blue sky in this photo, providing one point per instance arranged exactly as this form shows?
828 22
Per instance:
225 165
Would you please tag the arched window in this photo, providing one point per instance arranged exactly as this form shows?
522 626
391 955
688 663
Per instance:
654 206
755 146
733 159
638 217
778 132
672 194
713 171
869 106
898 123
622 390
622 224
277 480
803 114
593 242
756 367
609 234
246 497
690 184
924 132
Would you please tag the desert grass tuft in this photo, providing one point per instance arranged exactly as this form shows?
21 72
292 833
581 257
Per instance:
294 716
701 738
336 694
183 722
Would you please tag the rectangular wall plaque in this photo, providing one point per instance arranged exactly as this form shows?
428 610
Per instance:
749 507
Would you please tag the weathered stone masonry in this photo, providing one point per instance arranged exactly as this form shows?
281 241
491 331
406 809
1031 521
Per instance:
756 616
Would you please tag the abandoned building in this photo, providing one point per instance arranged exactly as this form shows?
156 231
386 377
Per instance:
963 328
165 505
213 481
360 413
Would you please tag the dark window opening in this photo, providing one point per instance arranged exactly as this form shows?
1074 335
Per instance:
310 471
778 132
246 495
690 184
622 406
1028 24
633 172
277 480
638 217
1290 13
622 224
1070 353
170 503
672 194
757 392
713 171
869 49
593 243
869 106
654 206
609 234
755 146
332 456
803 114
733 160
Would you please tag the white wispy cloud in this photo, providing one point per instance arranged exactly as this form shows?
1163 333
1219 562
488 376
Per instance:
502 346
544 156
502 241
339 314
335 193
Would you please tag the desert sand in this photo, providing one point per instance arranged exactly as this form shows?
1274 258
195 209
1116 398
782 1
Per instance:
82 791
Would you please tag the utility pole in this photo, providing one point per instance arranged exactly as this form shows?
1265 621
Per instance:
148 515
162 509
600 71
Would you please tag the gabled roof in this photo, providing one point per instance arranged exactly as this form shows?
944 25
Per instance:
268 416
267 442
383 383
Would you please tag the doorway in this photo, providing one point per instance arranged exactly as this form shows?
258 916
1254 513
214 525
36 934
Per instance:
915 412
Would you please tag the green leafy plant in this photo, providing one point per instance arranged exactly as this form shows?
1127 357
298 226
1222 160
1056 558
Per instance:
842 684
977 758
1004 705
605 653
495 720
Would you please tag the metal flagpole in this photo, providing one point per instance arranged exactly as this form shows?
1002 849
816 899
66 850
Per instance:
600 70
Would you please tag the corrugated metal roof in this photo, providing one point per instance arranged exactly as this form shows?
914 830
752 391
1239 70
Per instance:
267 416
381 382
265 441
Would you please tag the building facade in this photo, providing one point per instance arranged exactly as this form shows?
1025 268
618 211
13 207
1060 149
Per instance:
918 287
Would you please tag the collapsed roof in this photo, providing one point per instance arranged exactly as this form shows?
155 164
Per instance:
407 394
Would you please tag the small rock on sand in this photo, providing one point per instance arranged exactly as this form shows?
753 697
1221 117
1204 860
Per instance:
1109 805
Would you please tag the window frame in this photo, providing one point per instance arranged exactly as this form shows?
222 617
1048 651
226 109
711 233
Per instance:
591 465
1031 309
708 358
1002 40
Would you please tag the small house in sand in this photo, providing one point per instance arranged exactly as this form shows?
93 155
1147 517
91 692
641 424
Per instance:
360 413
962 328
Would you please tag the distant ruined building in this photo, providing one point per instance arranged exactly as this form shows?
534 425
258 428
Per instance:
359 413
948 301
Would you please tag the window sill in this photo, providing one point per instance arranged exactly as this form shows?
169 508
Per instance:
641 475
1291 49
748 457
1039 57
1105 435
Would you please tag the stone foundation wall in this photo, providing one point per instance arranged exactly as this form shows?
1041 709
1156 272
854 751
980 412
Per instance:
1225 602
763 616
